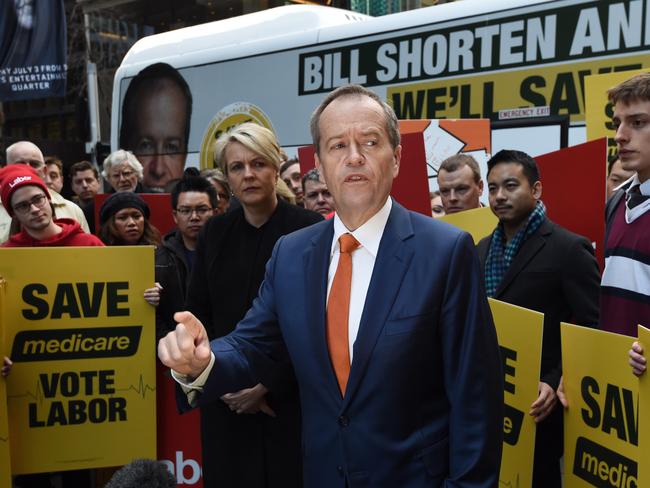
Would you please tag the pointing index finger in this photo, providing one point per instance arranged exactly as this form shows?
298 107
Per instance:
193 326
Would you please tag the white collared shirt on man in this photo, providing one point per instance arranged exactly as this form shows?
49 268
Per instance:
631 214
363 263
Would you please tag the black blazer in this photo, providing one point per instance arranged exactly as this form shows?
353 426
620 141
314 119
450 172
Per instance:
554 272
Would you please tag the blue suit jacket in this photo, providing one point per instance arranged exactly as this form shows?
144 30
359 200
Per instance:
423 406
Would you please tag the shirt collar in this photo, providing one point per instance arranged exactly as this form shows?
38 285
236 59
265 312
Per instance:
644 188
56 199
369 234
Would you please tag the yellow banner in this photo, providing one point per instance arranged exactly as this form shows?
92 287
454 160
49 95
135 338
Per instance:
644 406
5 460
479 222
81 393
599 112
520 340
559 87
601 423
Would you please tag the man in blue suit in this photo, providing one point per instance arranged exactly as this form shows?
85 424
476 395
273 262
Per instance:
398 367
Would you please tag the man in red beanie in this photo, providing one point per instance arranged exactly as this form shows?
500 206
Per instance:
28 154
27 199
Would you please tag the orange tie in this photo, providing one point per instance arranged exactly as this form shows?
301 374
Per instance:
338 310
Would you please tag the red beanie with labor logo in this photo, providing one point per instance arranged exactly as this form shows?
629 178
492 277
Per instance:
16 176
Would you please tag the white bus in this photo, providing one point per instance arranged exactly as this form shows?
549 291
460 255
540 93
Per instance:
465 59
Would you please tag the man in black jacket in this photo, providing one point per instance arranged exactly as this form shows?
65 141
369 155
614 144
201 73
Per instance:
194 201
534 263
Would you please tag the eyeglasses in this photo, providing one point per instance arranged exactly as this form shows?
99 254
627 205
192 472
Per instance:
200 211
126 174
24 207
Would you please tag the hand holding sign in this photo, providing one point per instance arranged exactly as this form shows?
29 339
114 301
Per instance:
186 350
152 295
6 366
561 394
637 359
543 406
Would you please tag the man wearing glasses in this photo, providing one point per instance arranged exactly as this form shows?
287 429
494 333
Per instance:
194 201
27 153
28 200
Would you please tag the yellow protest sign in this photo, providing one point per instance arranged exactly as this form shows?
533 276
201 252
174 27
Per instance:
81 391
479 222
519 331
601 423
644 406
598 110
5 463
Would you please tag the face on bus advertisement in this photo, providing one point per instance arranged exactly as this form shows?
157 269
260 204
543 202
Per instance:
159 134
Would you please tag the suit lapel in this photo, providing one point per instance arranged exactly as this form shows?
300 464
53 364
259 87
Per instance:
393 258
316 260
529 249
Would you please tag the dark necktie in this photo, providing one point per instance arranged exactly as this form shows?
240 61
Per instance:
634 197
338 310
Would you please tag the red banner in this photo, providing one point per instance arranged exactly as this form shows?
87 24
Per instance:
179 436
574 192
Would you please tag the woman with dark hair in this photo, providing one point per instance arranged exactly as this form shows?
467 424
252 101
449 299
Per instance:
250 438
124 221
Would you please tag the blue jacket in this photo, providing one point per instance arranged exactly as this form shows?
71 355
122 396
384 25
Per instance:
423 405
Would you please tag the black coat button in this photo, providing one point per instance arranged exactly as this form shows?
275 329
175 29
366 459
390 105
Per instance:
344 421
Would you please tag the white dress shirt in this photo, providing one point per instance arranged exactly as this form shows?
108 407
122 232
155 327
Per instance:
363 263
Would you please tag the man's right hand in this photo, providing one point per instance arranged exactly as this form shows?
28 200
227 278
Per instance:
186 350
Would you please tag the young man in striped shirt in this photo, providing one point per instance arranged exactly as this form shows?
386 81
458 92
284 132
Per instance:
625 287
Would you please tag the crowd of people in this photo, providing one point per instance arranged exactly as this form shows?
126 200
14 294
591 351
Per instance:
308 372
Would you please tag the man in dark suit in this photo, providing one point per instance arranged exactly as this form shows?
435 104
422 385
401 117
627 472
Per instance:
534 263
383 315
